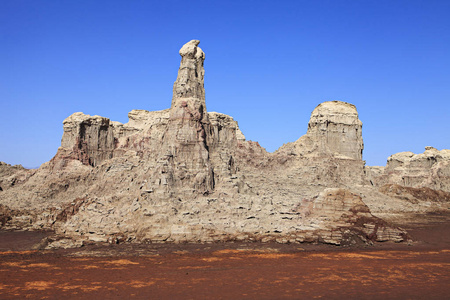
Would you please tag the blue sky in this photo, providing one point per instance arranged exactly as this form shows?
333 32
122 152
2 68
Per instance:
268 64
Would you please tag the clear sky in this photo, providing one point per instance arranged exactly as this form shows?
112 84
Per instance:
268 64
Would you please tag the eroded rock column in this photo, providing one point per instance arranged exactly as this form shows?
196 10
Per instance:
185 159
335 128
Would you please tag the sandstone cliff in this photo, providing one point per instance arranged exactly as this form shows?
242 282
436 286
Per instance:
188 175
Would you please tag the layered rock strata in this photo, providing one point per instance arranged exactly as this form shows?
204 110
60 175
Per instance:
185 144
187 175
334 129
89 139
331 150
430 169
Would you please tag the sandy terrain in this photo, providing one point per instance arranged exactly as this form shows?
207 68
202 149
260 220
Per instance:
230 271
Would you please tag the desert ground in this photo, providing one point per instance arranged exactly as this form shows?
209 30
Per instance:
418 270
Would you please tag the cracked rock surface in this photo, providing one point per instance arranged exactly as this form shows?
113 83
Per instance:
188 175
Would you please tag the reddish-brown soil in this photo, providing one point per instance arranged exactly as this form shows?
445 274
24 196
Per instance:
229 271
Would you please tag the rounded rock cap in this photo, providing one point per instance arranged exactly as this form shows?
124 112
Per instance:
336 107
191 49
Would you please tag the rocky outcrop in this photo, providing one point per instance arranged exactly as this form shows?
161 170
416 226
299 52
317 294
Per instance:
429 169
7 169
189 85
188 175
349 219
331 150
139 121
184 146
415 195
335 216
333 129
89 139
12 175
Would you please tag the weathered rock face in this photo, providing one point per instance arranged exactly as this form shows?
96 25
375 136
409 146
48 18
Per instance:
187 175
331 150
190 80
12 175
87 138
429 169
333 129
336 216
184 145
193 153
415 195
350 220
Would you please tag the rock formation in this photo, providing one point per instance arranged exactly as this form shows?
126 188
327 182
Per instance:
8 175
187 175
331 150
334 129
89 139
429 169
184 145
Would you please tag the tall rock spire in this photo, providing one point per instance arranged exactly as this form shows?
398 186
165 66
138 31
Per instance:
185 152
188 99
188 115
191 74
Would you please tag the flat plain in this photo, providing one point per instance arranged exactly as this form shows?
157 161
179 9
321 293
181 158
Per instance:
230 270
